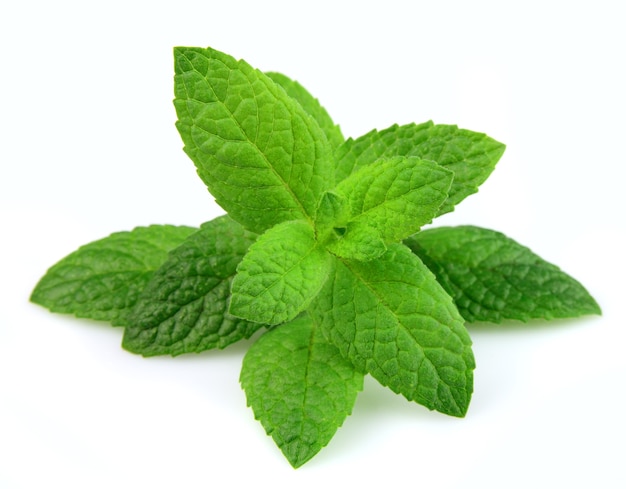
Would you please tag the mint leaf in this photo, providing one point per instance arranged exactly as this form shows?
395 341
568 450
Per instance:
311 240
183 308
102 280
492 277
312 107
263 158
470 155
396 196
299 387
331 217
357 241
392 319
280 274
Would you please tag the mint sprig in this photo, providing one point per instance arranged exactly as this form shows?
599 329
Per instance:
322 255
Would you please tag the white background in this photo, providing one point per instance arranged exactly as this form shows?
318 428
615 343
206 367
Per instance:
88 147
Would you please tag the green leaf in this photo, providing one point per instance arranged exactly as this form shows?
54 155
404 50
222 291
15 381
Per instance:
331 217
183 308
396 196
263 158
280 274
312 107
299 387
102 280
470 155
491 277
392 319
357 241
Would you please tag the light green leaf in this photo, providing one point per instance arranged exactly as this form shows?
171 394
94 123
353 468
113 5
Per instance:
357 241
263 158
279 276
396 196
392 319
102 280
470 155
312 107
299 387
183 308
331 217
492 277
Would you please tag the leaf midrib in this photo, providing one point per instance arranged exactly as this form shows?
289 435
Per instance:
384 303
252 143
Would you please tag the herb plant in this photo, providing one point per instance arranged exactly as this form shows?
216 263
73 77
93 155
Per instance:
321 251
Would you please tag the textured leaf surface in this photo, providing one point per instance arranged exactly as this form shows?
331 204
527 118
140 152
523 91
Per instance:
299 387
184 307
263 158
280 275
311 105
359 241
396 196
102 280
492 277
470 155
332 216
392 319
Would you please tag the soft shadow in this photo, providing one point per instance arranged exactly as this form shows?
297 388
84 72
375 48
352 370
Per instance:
512 326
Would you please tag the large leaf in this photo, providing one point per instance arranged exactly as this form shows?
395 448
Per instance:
392 319
263 158
492 277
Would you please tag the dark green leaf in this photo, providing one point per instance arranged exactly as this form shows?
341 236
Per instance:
183 308
491 277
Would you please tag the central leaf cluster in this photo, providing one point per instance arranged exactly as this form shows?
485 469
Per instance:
331 217
379 205
322 248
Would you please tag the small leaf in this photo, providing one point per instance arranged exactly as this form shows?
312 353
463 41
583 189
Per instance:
102 280
492 277
183 308
311 106
392 319
396 196
263 158
280 274
472 156
332 214
357 241
299 387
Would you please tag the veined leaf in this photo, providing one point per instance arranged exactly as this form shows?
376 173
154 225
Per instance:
470 155
311 105
396 196
103 279
358 241
263 158
332 216
392 319
299 387
279 276
492 277
183 308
